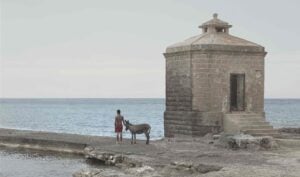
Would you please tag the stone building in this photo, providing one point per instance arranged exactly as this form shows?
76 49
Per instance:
214 83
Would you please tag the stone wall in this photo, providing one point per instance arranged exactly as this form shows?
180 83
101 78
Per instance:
192 123
211 80
178 82
198 88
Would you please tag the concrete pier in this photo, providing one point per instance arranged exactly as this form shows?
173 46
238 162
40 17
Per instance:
174 156
63 142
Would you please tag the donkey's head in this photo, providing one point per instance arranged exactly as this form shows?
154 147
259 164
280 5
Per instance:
127 124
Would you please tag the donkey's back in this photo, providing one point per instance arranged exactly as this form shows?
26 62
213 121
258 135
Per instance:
141 128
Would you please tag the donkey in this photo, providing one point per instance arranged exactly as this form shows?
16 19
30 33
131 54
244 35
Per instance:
138 129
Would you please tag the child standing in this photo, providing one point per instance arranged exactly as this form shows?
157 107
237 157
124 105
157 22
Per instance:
119 119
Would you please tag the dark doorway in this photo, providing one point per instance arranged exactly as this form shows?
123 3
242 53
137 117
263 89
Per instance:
237 92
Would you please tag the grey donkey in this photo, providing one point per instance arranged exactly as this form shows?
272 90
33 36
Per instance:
138 129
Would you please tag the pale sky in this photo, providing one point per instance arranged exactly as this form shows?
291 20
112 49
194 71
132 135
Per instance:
113 48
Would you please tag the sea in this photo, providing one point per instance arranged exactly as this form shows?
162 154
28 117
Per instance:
93 117
30 163
96 116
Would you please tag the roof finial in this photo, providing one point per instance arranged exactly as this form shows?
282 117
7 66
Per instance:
215 15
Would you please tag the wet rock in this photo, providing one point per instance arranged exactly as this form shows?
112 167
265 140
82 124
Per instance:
244 141
183 166
145 169
202 168
111 159
107 158
216 137
188 168
88 173
232 144
208 136
130 162
208 155
142 171
100 173
268 142
290 130
178 168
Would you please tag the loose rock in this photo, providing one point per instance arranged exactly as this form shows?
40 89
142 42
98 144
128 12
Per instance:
202 168
100 173
188 168
244 141
107 158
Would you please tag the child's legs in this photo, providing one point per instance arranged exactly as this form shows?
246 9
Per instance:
118 136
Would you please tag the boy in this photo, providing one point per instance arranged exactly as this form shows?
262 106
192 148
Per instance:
119 119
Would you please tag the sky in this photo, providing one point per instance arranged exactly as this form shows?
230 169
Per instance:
114 48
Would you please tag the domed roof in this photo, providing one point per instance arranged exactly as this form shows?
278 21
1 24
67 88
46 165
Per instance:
215 36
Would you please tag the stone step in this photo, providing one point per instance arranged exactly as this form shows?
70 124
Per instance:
251 120
252 123
275 134
183 121
261 123
243 116
250 115
180 127
247 127
248 118
243 113
259 131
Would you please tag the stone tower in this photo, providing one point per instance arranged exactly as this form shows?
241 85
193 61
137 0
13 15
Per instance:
214 83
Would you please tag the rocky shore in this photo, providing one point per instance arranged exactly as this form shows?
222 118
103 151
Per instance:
212 156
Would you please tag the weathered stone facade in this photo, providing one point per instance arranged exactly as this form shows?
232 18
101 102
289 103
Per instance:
209 76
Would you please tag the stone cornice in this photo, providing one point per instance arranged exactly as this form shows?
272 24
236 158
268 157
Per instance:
234 51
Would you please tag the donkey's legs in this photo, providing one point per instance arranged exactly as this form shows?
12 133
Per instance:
131 138
148 137
134 138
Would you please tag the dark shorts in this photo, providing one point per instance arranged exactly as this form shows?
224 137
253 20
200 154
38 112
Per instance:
118 129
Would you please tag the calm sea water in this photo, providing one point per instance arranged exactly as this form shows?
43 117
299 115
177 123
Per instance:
80 116
96 116
28 163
